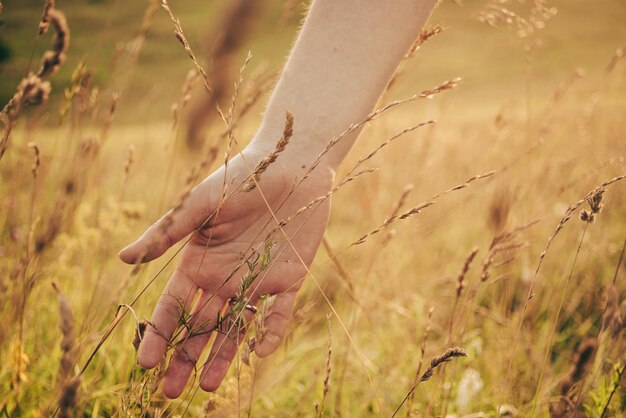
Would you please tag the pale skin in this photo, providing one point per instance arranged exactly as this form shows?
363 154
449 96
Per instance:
345 54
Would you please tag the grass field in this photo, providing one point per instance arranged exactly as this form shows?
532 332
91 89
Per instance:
540 308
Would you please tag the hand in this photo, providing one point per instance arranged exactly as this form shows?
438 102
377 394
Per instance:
217 249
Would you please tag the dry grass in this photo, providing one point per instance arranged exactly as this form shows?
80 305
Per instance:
539 309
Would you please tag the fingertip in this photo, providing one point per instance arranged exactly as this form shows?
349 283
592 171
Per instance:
211 386
126 254
147 362
141 252
152 244
210 382
270 343
171 389
148 358
175 380
214 373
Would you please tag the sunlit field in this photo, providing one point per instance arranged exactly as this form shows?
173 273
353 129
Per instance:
473 266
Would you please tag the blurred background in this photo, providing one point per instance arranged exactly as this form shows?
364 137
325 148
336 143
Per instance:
489 59
126 131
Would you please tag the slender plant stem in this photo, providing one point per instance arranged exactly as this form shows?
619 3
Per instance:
615 387
556 321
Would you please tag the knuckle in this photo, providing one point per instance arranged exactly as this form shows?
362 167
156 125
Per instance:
168 304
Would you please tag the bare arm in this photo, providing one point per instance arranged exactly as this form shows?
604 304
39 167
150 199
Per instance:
342 60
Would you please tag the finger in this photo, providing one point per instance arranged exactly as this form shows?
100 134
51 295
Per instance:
274 325
187 353
223 350
177 295
179 222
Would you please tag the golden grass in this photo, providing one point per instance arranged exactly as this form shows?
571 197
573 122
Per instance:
478 264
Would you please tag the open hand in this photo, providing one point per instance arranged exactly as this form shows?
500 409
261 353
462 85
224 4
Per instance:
225 233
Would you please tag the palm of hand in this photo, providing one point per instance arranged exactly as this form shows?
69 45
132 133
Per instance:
222 255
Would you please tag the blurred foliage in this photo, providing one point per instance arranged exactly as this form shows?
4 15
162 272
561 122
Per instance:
98 177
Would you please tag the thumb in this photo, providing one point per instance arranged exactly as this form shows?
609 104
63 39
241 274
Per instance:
191 213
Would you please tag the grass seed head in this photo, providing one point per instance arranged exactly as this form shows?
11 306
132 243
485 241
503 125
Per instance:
584 358
267 161
69 384
461 277
139 332
44 24
55 57
448 355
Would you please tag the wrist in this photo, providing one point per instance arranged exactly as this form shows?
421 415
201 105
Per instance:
298 155
309 140
297 158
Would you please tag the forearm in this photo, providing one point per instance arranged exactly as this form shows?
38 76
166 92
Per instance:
340 64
